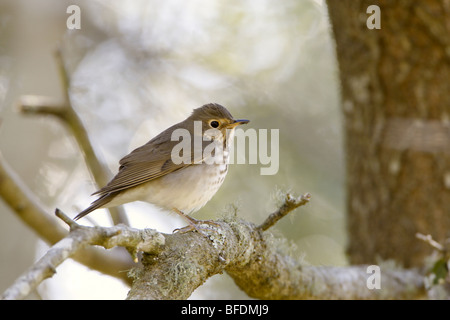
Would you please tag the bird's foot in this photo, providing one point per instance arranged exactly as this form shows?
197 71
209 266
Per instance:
194 224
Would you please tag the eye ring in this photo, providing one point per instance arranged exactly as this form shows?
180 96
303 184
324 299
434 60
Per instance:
214 124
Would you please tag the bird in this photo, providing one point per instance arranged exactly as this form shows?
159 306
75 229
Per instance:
178 175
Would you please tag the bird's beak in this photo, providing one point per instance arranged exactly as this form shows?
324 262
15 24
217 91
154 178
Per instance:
238 122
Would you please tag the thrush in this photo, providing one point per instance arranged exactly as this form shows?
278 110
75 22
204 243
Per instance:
178 170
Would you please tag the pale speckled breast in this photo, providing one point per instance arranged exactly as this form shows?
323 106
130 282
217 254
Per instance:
191 188
187 189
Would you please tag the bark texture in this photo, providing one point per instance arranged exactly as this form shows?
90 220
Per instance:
259 267
396 106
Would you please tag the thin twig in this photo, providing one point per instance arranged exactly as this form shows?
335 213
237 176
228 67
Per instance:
71 223
429 239
41 105
290 203
63 74
145 240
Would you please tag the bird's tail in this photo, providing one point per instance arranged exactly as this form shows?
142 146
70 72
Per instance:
99 203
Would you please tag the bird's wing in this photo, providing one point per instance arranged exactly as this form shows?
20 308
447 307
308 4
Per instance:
146 163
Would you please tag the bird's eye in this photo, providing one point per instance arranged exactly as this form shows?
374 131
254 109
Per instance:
214 124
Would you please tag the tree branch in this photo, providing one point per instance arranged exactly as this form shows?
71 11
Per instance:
290 203
146 240
243 251
174 265
30 210
27 206
38 105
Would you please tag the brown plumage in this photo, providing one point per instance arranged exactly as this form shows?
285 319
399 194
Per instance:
149 174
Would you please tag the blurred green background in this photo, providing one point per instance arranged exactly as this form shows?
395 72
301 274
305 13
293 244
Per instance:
140 66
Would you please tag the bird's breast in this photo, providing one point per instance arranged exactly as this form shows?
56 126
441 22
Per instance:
187 189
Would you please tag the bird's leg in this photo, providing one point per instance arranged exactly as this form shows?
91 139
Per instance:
194 224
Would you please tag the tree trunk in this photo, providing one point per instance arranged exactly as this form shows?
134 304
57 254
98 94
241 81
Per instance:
396 105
